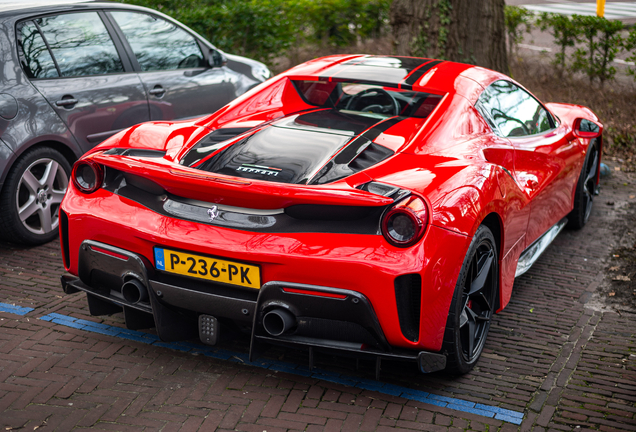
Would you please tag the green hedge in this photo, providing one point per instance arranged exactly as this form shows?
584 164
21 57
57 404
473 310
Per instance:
596 41
265 29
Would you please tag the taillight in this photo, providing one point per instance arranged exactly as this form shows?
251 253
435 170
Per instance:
405 223
87 176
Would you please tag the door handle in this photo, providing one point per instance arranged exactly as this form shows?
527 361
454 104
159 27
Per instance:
66 102
157 91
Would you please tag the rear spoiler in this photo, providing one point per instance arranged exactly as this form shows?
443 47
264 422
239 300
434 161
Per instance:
221 189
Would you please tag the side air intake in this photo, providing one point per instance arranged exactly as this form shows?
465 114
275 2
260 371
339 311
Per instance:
408 296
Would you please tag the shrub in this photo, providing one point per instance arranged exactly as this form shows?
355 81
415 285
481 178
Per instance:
265 29
518 20
630 45
602 41
565 32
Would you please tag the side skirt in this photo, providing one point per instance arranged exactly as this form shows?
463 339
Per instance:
534 251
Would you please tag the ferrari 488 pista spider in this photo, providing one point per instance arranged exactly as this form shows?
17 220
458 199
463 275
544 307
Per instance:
369 205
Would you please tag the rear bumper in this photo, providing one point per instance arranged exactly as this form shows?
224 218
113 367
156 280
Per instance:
363 263
326 319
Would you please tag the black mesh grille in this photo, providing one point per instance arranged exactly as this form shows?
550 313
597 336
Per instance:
64 237
408 296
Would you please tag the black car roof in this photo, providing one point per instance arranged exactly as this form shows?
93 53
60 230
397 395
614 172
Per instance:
14 7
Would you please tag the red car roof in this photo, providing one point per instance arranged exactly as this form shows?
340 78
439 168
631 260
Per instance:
439 76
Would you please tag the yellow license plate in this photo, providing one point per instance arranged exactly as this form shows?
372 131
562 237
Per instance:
212 269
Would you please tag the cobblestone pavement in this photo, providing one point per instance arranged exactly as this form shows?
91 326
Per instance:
554 360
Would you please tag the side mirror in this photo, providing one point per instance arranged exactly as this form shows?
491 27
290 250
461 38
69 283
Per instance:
217 59
584 128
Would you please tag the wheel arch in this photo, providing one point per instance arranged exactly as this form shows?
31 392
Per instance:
12 227
64 149
494 223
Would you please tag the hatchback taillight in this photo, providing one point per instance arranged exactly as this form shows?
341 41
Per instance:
404 224
87 176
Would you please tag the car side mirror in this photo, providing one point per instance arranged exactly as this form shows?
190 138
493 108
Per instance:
584 128
217 59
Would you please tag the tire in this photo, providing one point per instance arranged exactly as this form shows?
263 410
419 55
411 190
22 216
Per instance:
31 196
585 189
473 304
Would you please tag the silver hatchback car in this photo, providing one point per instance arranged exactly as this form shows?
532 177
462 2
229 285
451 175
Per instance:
75 73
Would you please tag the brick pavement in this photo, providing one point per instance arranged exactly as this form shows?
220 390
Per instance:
565 365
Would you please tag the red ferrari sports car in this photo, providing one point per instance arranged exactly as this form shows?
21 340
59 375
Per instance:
373 206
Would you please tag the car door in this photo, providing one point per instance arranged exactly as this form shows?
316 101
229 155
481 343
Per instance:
85 78
176 73
543 154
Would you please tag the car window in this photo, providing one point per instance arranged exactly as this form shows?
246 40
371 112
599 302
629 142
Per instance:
367 99
513 112
34 55
80 44
159 44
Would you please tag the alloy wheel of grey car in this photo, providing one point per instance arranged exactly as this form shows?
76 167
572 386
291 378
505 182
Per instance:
32 196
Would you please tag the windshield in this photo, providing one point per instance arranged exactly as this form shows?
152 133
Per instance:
367 99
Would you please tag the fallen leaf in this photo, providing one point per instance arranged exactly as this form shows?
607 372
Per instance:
531 310
621 278
612 294
617 168
632 196
614 268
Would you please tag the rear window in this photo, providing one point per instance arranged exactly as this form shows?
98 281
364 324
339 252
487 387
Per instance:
367 99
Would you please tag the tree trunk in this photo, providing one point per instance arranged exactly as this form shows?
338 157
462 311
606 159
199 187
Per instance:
469 31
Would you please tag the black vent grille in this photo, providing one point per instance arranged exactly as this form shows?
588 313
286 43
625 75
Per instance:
408 297
370 156
64 235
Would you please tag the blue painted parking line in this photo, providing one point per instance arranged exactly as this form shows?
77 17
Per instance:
366 384
14 309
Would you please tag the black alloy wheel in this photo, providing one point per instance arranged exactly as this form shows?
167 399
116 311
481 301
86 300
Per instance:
585 189
473 304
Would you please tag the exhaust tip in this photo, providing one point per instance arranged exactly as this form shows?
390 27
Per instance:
278 321
134 291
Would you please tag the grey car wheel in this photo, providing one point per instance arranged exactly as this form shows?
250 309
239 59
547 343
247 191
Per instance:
32 195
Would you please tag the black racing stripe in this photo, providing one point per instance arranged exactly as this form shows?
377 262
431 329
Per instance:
376 130
347 155
418 73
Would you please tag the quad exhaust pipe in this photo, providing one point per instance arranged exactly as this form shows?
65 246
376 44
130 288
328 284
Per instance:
278 322
134 291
